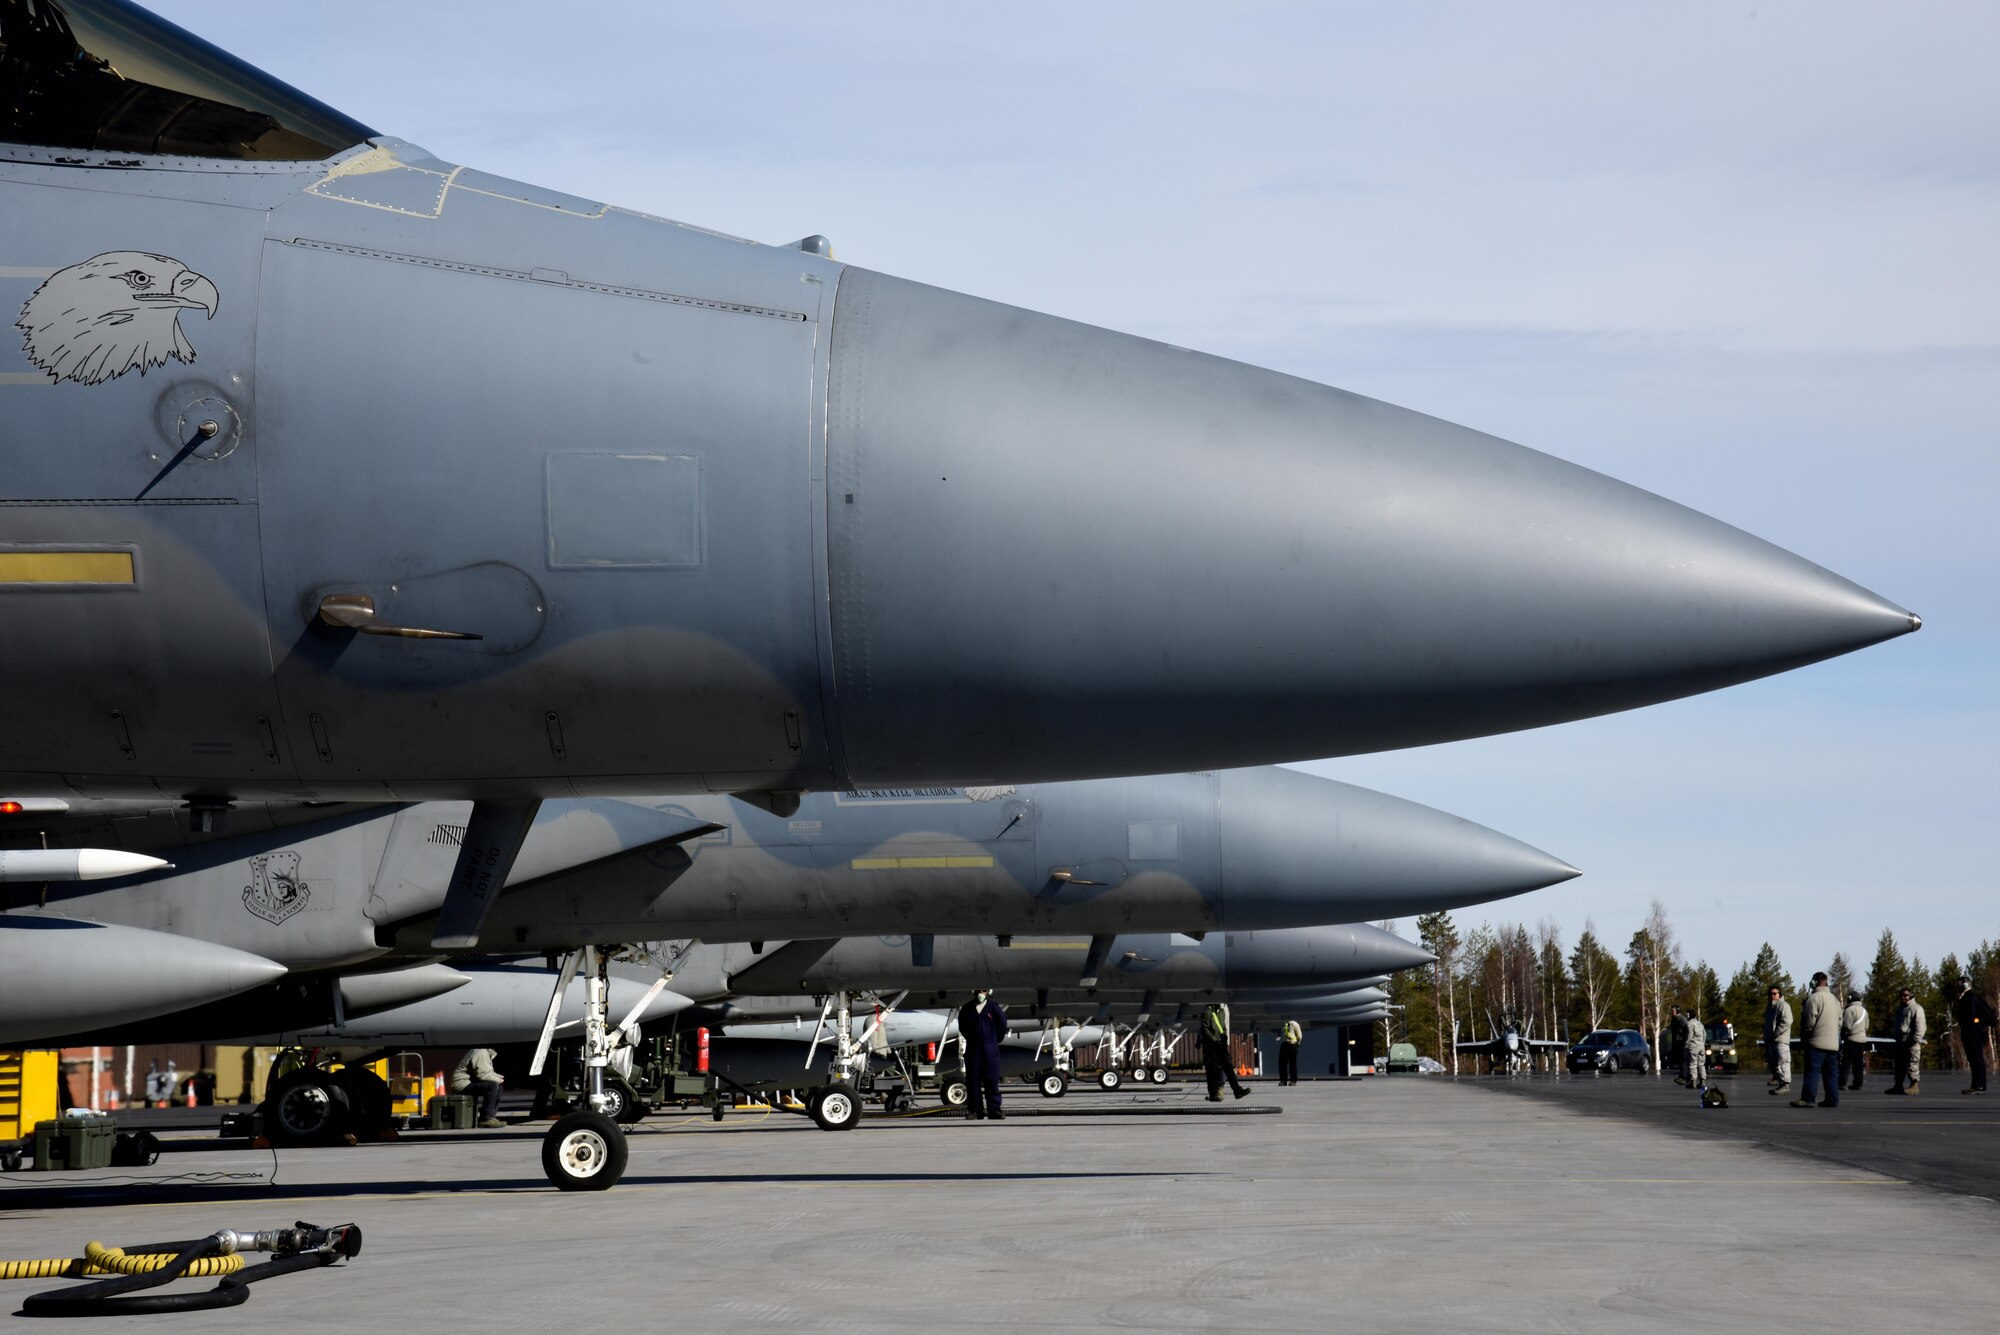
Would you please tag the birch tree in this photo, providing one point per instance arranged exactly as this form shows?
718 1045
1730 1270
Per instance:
1438 935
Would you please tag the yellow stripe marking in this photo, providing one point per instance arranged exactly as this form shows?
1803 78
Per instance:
920 863
41 567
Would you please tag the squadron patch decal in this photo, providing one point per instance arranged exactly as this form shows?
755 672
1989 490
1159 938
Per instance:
275 891
97 320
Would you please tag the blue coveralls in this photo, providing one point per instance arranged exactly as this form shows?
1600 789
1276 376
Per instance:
982 1030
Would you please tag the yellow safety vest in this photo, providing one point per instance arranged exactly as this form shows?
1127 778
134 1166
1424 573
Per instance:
1293 1033
1211 1021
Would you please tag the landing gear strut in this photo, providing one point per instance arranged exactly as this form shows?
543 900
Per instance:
585 1150
837 1106
1055 1083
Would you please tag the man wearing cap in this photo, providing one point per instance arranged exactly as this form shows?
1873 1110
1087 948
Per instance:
1853 1042
1819 1035
1908 1027
1778 1041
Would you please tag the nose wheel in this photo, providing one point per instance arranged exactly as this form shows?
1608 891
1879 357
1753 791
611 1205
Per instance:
834 1107
584 1151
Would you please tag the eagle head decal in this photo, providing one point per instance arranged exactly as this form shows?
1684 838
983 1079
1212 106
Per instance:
97 320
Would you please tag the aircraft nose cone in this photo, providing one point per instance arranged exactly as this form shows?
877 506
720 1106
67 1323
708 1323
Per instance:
1379 951
63 976
1316 956
1142 559
1299 848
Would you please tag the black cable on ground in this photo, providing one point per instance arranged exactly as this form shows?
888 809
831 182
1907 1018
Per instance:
107 1297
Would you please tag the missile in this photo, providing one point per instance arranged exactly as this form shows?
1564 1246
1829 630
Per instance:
74 864
62 975
33 806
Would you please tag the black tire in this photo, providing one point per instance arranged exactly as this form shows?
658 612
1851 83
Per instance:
635 1111
584 1151
953 1092
1054 1084
307 1107
1110 1078
1159 1075
369 1101
835 1107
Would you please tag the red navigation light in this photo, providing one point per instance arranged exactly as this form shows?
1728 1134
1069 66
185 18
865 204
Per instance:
11 808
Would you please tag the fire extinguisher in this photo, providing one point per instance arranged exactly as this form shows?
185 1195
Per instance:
701 1051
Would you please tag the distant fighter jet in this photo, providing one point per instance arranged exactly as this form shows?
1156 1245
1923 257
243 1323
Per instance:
1510 1049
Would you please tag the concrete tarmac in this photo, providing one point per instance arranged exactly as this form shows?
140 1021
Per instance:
1940 1138
1414 1204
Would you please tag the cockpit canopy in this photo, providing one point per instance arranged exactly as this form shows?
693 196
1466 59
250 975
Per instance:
105 74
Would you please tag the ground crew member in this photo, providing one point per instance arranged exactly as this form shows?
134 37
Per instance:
1289 1039
1215 1059
1676 1043
475 1075
1819 1032
1853 1042
981 1025
1908 1027
1778 1041
1975 1017
1694 1057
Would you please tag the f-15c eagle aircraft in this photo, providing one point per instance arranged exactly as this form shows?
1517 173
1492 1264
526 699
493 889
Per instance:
288 908
335 470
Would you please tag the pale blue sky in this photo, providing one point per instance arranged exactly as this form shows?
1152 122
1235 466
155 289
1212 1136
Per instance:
1741 255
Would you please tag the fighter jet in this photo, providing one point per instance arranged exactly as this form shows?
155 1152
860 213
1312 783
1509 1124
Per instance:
1136 965
335 469
363 888
1511 1047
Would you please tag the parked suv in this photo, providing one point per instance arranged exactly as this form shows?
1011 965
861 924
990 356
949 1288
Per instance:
1611 1050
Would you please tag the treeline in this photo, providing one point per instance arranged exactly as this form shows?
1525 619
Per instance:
1488 973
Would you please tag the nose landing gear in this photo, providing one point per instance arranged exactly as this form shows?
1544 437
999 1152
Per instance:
586 1150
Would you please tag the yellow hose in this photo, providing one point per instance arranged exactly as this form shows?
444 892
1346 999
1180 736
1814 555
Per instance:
98 1259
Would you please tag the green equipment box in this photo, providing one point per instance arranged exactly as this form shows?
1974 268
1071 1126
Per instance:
451 1112
74 1142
